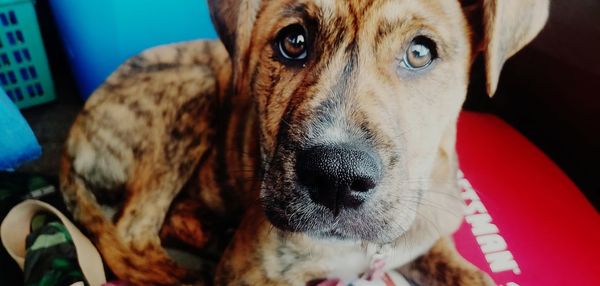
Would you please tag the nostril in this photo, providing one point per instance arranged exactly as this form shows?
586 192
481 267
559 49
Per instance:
362 185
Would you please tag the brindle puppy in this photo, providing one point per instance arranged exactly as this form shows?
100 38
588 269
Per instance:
330 125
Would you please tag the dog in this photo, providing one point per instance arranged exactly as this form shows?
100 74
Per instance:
322 130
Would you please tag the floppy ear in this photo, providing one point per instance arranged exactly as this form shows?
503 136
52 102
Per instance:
233 20
502 28
224 14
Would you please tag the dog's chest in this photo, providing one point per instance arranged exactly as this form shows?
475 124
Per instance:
352 263
346 266
346 262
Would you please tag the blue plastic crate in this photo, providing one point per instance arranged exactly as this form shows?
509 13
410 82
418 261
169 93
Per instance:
24 71
100 34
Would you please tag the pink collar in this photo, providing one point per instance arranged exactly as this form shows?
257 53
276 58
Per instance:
375 273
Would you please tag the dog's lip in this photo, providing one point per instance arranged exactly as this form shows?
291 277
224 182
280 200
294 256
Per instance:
339 225
280 222
332 233
319 222
344 228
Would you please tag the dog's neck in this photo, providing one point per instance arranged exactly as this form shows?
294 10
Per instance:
349 259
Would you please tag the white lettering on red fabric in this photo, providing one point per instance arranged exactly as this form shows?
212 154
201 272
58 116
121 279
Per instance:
493 246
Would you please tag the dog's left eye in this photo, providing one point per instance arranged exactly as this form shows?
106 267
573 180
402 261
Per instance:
420 54
291 43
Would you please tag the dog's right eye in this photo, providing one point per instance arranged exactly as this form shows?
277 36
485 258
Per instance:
420 54
291 43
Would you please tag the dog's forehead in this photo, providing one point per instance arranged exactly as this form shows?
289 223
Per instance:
442 17
364 9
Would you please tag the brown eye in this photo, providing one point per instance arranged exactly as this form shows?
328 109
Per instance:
420 53
292 43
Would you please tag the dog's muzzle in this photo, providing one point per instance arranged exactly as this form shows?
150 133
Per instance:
338 176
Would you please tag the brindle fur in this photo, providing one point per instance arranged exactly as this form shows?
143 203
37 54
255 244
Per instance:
183 136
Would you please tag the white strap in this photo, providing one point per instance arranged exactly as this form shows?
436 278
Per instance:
16 227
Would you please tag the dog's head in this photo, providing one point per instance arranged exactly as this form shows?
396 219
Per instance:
358 100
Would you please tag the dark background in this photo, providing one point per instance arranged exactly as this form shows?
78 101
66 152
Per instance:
550 92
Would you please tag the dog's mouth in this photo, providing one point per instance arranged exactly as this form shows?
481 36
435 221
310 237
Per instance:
332 192
368 222
318 221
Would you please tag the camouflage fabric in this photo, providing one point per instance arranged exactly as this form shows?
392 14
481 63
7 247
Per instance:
51 259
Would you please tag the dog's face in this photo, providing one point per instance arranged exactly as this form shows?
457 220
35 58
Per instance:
357 100
353 100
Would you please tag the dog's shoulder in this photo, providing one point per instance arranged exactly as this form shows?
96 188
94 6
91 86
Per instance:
192 53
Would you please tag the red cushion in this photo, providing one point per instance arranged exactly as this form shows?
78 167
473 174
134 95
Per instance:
551 232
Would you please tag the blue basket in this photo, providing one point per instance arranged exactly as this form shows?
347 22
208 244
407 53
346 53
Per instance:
100 34
24 71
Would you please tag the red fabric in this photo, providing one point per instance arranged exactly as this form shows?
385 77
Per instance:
549 227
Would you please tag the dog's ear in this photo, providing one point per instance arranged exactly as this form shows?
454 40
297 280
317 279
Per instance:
501 28
224 14
234 20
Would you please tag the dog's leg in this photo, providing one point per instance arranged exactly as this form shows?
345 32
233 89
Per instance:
184 224
136 143
242 262
260 254
443 266
150 266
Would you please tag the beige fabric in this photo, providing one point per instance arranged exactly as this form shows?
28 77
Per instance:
16 227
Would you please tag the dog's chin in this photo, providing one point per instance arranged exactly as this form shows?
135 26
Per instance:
320 223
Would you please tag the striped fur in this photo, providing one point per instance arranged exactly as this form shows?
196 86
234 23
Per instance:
184 142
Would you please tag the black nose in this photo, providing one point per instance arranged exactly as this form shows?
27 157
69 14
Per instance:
338 176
